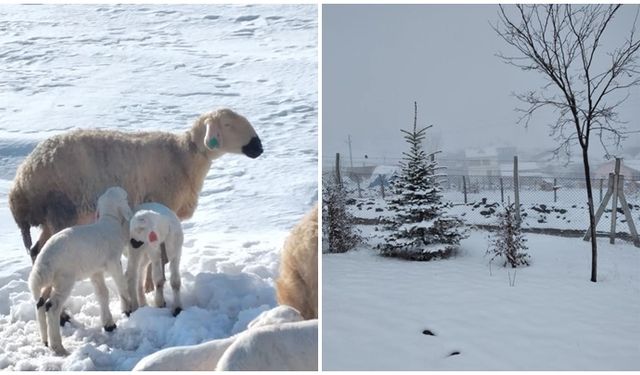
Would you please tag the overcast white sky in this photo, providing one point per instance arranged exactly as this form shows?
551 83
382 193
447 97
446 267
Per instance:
379 59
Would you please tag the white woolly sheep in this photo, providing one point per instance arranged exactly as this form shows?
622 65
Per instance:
79 252
208 356
156 235
58 183
297 284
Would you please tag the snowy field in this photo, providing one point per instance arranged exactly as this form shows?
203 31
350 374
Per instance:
153 67
376 309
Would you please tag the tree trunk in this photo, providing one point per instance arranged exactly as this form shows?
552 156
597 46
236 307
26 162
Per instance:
592 218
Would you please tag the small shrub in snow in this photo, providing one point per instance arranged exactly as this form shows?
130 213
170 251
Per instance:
509 242
337 222
418 227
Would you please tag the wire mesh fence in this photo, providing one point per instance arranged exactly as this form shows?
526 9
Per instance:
546 201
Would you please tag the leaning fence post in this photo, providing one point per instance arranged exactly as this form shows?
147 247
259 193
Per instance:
464 188
555 190
614 201
501 191
516 188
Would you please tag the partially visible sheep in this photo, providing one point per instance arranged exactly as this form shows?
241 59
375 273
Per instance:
282 347
297 284
205 356
59 182
156 234
77 253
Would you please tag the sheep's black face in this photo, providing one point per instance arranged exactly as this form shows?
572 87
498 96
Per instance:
136 244
253 149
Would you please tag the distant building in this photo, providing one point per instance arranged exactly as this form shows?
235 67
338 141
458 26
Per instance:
630 169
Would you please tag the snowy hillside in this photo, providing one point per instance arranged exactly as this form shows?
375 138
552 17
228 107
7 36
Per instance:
461 314
156 67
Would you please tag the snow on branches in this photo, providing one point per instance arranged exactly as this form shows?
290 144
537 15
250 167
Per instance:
508 242
418 228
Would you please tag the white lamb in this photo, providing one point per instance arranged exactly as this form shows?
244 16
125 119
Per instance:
78 253
156 236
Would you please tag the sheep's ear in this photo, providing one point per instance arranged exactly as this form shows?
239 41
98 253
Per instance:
126 212
213 135
153 237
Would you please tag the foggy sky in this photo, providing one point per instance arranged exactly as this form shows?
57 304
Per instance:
379 59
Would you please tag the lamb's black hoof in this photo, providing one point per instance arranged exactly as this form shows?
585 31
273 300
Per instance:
177 311
46 343
428 332
110 328
127 313
64 318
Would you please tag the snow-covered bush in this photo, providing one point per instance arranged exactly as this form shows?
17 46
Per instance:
509 242
338 226
417 227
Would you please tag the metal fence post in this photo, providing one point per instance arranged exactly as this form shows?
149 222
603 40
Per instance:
464 188
555 190
338 168
516 188
501 191
614 201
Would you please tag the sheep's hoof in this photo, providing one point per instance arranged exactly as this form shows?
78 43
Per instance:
64 318
110 328
46 343
60 351
177 311
127 313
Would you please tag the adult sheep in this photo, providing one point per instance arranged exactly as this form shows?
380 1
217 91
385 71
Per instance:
59 182
297 284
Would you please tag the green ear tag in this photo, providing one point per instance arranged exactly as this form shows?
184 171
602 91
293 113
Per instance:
213 143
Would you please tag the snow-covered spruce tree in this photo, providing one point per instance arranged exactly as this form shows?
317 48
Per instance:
337 225
509 242
418 227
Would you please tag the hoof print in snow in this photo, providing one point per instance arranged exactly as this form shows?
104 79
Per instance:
453 353
428 332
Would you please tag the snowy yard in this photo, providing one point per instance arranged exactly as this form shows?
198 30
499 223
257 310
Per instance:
157 67
375 309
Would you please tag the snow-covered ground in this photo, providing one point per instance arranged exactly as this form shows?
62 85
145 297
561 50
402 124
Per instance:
376 309
148 67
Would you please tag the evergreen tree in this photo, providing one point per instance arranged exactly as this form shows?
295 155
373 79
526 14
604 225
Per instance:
418 228
509 241
337 222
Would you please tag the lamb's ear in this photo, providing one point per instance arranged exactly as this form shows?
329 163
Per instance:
213 135
125 211
153 237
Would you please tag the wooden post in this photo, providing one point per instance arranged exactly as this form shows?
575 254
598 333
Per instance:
555 190
627 214
614 202
601 190
516 188
464 188
338 169
501 191
602 207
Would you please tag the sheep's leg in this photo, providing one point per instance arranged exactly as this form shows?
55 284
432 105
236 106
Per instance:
53 307
175 285
131 274
102 294
142 266
157 271
148 282
115 270
41 314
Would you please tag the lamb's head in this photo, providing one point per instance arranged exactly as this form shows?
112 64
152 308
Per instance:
143 228
227 131
114 202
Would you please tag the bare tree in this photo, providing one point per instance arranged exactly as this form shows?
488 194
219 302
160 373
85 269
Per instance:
584 84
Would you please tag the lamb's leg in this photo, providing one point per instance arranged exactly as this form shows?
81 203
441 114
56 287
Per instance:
142 266
53 306
102 294
148 281
131 274
175 285
115 270
157 271
41 315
